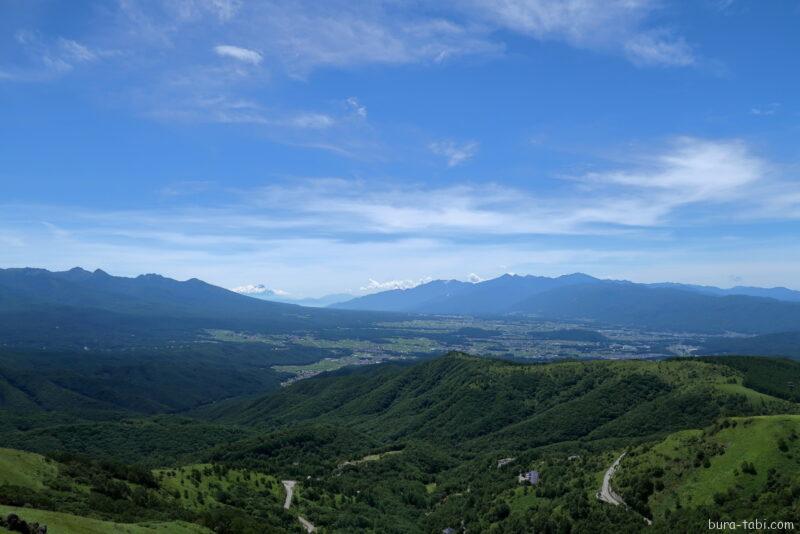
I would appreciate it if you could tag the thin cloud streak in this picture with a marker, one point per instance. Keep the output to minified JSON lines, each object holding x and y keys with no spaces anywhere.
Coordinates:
{"x":340,"y":229}
{"x":454,"y":153}
{"x":238,"y":53}
{"x":657,"y":191}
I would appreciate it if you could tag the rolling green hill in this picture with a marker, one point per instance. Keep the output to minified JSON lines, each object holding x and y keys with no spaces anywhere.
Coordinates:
{"x":740,"y":468}
{"x":416,"y":448}
{"x":61,"y":523}
{"x":448,"y":421}
{"x":458,"y":398}
{"x":92,"y":383}
{"x":76,"y":494}
{"x":18,"y":468}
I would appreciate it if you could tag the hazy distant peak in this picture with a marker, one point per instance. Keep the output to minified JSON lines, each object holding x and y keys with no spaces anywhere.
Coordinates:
{"x":259,"y":290}
{"x":578,"y":276}
{"x":151,"y":276}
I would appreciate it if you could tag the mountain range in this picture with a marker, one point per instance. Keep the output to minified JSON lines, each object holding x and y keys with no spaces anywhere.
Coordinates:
{"x":260,"y":291}
{"x":579,"y":296}
{"x":418,"y":444}
{"x":38,"y":306}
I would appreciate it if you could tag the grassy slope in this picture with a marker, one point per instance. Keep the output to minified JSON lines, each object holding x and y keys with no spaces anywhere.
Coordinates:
{"x":773,"y":376}
{"x":179,"y":481}
{"x":197,"y":488}
{"x":71,"y":524}
{"x":19,"y":468}
{"x":753,"y":439}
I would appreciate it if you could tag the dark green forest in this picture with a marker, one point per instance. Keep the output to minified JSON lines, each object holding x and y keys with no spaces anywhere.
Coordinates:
{"x":399,"y":448}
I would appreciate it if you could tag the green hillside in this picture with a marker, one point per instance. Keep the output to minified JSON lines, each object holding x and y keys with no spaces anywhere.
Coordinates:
{"x":774,"y":376}
{"x":61,"y":523}
{"x":452,"y":419}
{"x":416,"y":448}
{"x":740,"y":468}
{"x":18,"y":468}
{"x":199,"y":486}
{"x":78,"y":494}
{"x":458,"y":397}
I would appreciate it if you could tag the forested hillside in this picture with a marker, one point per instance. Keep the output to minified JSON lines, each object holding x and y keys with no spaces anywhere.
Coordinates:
{"x":421,"y":448}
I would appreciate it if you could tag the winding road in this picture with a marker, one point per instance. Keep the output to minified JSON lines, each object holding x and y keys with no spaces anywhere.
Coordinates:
{"x":289,"y":486}
{"x":607,"y":493}
{"x":306,"y":524}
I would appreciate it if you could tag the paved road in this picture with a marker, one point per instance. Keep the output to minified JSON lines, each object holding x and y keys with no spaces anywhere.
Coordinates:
{"x":289,"y":485}
{"x":606,"y":493}
{"x":306,"y":524}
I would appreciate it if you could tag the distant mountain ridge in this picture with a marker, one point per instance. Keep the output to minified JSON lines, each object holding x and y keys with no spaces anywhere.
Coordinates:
{"x":39,"y":307}
{"x":455,"y":297}
{"x":263,"y":293}
{"x":582,"y":297}
{"x":144,"y":294}
{"x":777,"y":293}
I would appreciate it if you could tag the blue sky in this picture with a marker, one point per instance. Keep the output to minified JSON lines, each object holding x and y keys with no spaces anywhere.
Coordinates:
{"x":350,"y":146}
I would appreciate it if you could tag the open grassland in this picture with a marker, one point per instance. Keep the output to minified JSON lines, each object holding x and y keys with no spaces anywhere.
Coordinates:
{"x":200,"y":486}
{"x":755,"y":440}
{"x":697,"y":467}
{"x":25,"y":469}
{"x":60,"y":523}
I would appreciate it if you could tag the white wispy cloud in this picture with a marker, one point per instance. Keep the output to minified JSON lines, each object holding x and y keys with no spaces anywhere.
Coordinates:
{"x":357,"y":107}
{"x":455,"y":153}
{"x":770,"y":109}
{"x":693,"y":170}
{"x":309,"y":35}
{"x":474,"y":278}
{"x":375,"y":286}
{"x":312,"y":120}
{"x":11,"y":240}
{"x":259,"y":289}
{"x":231,"y":110}
{"x":353,"y":230}
{"x":77,"y":51}
{"x":187,"y":10}
{"x":616,"y":26}
{"x":305,"y":35}
{"x":648,"y":191}
{"x":687,"y":181}
{"x":44,"y":58}
{"x":659,"y":48}
{"x":238,"y":53}
{"x":165,"y":46}
{"x":225,"y":9}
